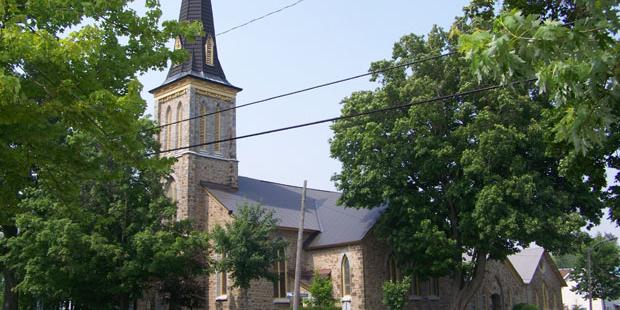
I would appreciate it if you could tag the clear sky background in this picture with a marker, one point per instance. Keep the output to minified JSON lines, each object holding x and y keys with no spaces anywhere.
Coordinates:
{"x":314,"y":42}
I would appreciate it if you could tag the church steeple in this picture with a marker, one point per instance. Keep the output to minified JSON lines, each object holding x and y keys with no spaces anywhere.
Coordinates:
{"x":203,"y":62}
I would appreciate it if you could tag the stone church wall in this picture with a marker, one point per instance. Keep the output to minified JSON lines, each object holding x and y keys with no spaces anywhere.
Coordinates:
{"x":331,"y":259}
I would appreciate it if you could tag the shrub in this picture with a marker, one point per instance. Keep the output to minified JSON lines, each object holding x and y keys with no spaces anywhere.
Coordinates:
{"x":525,"y":307}
{"x":395,"y":293}
{"x":321,"y":291}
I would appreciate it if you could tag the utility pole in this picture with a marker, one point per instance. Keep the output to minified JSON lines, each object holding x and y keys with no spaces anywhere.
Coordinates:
{"x":589,"y":267}
{"x":589,"y":258}
{"x":300,"y":236}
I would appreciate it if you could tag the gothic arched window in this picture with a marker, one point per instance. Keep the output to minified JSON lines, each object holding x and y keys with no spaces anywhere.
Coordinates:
{"x":210,"y":51}
{"x":345,"y":271}
{"x":280,"y":286}
{"x":202,"y":126}
{"x":433,"y":287}
{"x":217,"y":130}
{"x":221,"y":279}
{"x":177,"y":43}
{"x":168,"y":130}
{"x":179,"y":126}
{"x":171,"y":190}
{"x":545,"y":294}
{"x":392,"y":269}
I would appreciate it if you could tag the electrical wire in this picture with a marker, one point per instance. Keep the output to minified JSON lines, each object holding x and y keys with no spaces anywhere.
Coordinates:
{"x":333,"y":119}
{"x":261,"y":17}
{"x":309,"y":89}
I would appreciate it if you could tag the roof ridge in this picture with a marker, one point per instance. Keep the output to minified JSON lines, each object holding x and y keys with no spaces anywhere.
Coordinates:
{"x":289,"y":185}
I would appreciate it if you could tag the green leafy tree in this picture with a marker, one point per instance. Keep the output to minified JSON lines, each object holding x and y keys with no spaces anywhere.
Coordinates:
{"x":477,"y":176}
{"x":248,"y":247}
{"x":321,"y":289}
{"x":67,"y":67}
{"x":104,"y":250}
{"x":525,"y":307}
{"x":571,"y":47}
{"x":605,"y":269}
{"x":565,"y":260}
{"x":395,"y":293}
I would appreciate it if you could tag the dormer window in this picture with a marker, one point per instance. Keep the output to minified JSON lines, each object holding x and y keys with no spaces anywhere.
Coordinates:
{"x":177,"y":43}
{"x":210,"y":51}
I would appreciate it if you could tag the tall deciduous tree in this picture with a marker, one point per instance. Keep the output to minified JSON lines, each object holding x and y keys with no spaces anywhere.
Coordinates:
{"x":478,"y":176}
{"x":604,"y":268}
{"x":66,"y":67}
{"x":116,"y":241}
{"x":573,"y":52}
{"x":248,"y":246}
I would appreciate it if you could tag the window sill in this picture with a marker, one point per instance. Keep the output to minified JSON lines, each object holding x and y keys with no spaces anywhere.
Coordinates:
{"x":221,"y":298}
{"x":433,"y":297}
{"x":415,"y":297}
{"x":346,"y":298}
{"x":281,"y":301}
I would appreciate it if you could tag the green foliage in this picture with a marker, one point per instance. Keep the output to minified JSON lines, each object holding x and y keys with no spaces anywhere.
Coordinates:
{"x":524,"y":307}
{"x":578,"y":307}
{"x":480,"y":175}
{"x":248,"y":246}
{"x":565,"y":261}
{"x":321,"y":290}
{"x":395,"y":293}
{"x":105,"y":249}
{"x":605,"y":263}
{"x":572,"y":51}
{"x":68,"y":75}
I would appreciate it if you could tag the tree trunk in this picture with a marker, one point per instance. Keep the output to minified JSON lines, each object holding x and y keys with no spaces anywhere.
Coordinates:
{"x":10,"y":279}
{"x":463,"y":294}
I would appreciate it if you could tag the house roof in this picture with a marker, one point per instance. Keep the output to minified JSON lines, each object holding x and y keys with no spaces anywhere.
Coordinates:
{"x":196,"y":65}
{"x":333,"y":224}
{"x":527,"y":261}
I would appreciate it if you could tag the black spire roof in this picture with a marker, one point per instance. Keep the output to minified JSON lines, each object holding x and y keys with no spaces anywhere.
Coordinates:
{"x":197,"y":66}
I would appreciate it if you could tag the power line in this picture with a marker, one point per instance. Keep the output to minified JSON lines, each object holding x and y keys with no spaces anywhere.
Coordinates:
{"x":333,"y":119}
{"x":261,"y":17}
{"x":308,"y":89}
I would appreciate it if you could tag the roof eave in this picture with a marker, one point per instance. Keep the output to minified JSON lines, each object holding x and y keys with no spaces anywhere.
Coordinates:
{"x":191,"y":75}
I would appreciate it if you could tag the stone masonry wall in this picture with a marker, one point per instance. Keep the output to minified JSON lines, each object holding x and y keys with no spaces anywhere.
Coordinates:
{"x":546,"y":273}
{"x":331,"y":259}
{"x":260,"y":295}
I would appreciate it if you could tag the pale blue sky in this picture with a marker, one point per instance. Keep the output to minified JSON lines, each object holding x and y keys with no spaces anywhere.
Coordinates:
{"x":315,"y":42}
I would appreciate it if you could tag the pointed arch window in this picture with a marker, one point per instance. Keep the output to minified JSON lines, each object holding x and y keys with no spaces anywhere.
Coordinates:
{"x":210,"y":51}
{"x":433,"y":287}
{"x":217,"y":130}
{"x":179,"y":126}
{"x":168,"y":130}
{"x":177,"y":43}
{"x":221,"y":279}
{"x":280,"y":285}
{"x":346,"y":276}
{"x":202,"y":126}
{"x":171,"y":190}
{"x":416,"y":287}
{"x":545,"y":296}
{"x":393,"y":271}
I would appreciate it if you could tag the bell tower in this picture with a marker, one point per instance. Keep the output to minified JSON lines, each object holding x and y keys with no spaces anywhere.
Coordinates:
{"x":198,"y":90}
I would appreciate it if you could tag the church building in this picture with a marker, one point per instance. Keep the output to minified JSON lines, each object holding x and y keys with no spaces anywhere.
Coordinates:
{"x":338,"y":242}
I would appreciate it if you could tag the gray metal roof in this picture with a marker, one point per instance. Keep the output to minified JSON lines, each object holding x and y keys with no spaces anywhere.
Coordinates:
{"x":526,"y":262}
{"x":334,"y":224}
